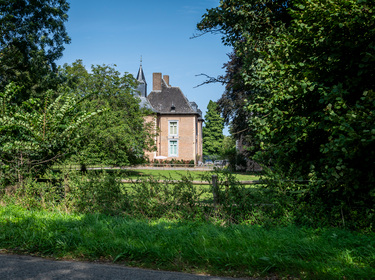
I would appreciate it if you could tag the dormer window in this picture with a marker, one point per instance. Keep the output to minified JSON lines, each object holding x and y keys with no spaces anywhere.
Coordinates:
{"x":173,"y":108}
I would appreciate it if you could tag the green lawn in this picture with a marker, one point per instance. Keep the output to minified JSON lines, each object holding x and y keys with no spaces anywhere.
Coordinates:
{"x":177,"y":174}
{"x":165,"y":173}
{"x":232,"y":250}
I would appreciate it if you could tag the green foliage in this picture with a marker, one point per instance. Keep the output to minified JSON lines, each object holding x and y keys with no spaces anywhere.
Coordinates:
{"x":32,"y":35}
{"x":37,"y":133}
{"x":232,"y":103}
{"x":248,"y":227}
{"x":229,"y":143}
{"x":152,"y":197}
{"x":95,"y":192}
{"x":169,"y":199}
{"x":120,"y":135}
{"x":229,"y":152}
{"x":213,"y":130}
{"x":310,"y":67}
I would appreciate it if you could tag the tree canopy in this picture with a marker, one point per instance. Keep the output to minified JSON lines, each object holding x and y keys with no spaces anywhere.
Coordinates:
{"x":232,"y":103}
{"x":120,"y":135}
{"x":47,"y":113}
{"x":32,"y":38}
{"x":309,"y":66}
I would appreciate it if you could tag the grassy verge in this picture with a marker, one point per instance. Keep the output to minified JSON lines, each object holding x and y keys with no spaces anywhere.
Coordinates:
{"x":235,"y":250}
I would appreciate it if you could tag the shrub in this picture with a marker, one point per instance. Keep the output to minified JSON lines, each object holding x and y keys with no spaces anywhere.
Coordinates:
{"x":165,"y":199}
{"x":97,"y":191}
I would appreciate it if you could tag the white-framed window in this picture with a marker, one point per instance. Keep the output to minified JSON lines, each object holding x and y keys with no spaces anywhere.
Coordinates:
{"x":172,"y":128}
{"x":173,"y":148}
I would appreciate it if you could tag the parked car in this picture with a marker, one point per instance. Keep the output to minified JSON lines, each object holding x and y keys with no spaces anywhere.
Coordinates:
{"x":208,"y":162}
{"x":219,"y":162}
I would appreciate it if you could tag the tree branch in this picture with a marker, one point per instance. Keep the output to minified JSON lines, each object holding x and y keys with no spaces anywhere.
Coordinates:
{"x":211,"y":80}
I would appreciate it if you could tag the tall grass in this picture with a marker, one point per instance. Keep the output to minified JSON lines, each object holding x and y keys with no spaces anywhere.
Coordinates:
{"x":235,"y":250}
{"x":174,"y":225}
{"x":99,"y":191}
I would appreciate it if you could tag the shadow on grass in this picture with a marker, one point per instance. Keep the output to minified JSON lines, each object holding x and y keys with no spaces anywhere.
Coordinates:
{"x":190,"y":246}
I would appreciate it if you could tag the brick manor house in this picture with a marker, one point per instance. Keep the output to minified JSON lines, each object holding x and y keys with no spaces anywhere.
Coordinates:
{"x":178,"y":121}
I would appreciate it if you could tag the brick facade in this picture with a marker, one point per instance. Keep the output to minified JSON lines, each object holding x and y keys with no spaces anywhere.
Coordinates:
{"x":189,"y":137}
{"x":177,"y":122}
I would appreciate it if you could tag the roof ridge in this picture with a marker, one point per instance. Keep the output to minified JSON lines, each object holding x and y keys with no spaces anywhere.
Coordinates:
{"x":165,"y":83}
{"x":187,"y":100}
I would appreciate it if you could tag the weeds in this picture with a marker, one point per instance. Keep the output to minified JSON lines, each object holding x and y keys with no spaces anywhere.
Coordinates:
{"x":95,"y":192}
{"x":176,"y":226}
{"x":190,"y":246}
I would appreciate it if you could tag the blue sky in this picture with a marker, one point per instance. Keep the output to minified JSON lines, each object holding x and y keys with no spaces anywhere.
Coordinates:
{"x":121,"y":31}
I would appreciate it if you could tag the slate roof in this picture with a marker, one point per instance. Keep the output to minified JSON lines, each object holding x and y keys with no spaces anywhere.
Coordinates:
{"x":144,"y":103}
{"x":142,"y":85}
{"x":141,"y":75}
{"x":163,"y":101}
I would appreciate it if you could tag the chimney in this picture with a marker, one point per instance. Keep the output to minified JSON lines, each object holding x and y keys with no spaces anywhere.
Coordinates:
{"x":156,"y":81}
{"x":166,"y":79}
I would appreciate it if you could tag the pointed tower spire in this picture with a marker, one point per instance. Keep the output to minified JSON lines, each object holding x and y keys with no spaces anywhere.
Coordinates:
{"x":142,"y":87}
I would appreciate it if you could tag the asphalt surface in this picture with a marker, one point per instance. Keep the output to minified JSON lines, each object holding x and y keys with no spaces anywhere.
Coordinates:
{"x":15,"y":267}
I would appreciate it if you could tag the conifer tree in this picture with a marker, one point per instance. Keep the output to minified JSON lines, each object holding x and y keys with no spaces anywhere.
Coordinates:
{"x":213,"y":130}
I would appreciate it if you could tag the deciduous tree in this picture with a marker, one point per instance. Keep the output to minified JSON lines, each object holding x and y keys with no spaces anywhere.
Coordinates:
{"x":310,"y":64}
{"x":32,"y":38}
{"x":120,"y":135}
{"x":37,"y":133}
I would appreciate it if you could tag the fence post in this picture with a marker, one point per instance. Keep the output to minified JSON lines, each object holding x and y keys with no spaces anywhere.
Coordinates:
{"x":215,"y":189}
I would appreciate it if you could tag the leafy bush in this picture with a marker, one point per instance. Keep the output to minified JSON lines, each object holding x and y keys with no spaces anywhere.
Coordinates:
{"x":33,"y":195}
{"x":166,"y":199}
{"x":37,"y":133}
{"x":89,"y":193}
{"x":275,"y":201}
{"x":312,"y":202}
{"x":96,"y":192}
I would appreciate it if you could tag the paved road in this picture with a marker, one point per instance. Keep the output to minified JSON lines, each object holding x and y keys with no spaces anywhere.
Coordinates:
{"x":15,"y":267}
